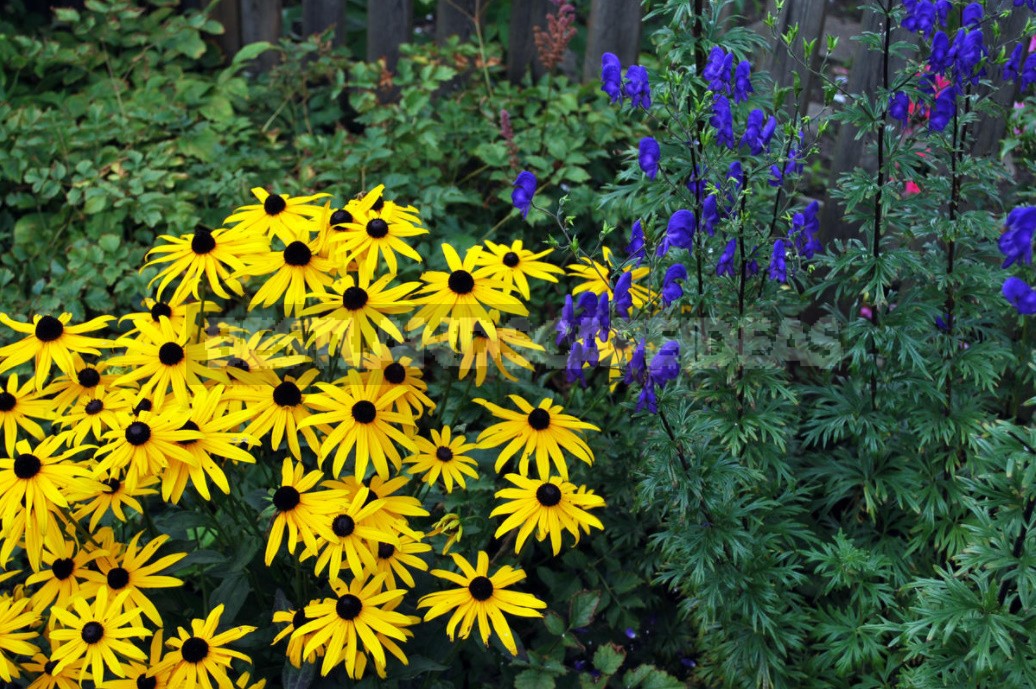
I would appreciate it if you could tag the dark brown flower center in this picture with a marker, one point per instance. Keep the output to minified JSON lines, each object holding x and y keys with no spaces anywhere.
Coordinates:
{"x":340,"y":217}
{"x":138,"y":433}
{"x":297,"y":254}
{"x":49,"y":329}
{"x":88,"y":377}
{"x":142,"y":406}
{"x":443,"y":453}
{"x":548,"y":495}
{"x":145,"y":682}
{"x":160,"y":309}
{"x":395,"y":373}
{"x":238,"y":362}
{"x":274,"y":204}
{"x":202,"y":242}
{"x":92,"y":632}
{"x":385,"y":551}
{"x":118,"y":578}
{"x":364,"y":412}
{"x":377,"y":228}
{"x":195,"y":650}
{"x":188,"y":426}
{"x":354,"y":298}
{"x":287,"y":394}
{"x":94,"y":407}
{"x":348,"y":606}
{"x":286,"y":498}
{"x":63,"y":568}
{"x":378,"y":204}
{"x":299,"y":618}
{"x":113,"y":485}
{"x":510,"y":259}
{"x":539,"y":419}
{"x":170,"y":354}
{"x":461,"y":282}
{"x":481,"y":588}
{"x":343,"y":525}
{"x":7,"y":401}
{"x":27,"y":466}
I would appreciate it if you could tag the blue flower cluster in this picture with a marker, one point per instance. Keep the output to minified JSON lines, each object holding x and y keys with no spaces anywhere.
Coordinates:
{"x":636,"y":86}
{"x":664,"y":367}
{"x":1014,"y":70}
{"x":1016,"y":246}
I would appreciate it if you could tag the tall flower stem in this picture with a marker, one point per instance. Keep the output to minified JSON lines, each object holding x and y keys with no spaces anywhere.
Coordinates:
{"x":878,"y":196}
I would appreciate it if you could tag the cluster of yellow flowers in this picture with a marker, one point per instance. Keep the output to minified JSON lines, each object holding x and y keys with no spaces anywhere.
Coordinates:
{"x":182,"y":396}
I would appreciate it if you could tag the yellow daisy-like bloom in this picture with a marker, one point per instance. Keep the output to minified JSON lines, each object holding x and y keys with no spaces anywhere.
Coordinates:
{"x":144,"y":676}
{"x":98,"y":635}
{"x":18,"y":407}
{"x":61,"y":579}
{"x":97,"y":414}
{"x":542,"y":430}
{"x":463,"y":298}
{"x":355,"y":618}
{"x":279,"y":408}
{"x":42,"y":668}
{"x":597,"y":279}
{"x":347,"y":535}
{"x":514,"y":265}
{"x":483,"y":598}
{"x":301,"y":511}
{"x":397,"y":560}
{"x":485,"y":349}
{"x":17,"y":620}
{"x":549,"y":507}
{"x":143,"y":444}
{"x":165,"y":359}
{"x":614,"y":353}
{"x":443,"y":456}
{"x":34,"y":483}
{"x":67,"y":390}
{"x":212,"y":254}
{"x":296,"y":642}
{"x":52,"y":341}
{"x":397,"y":508}
{"x":130,"y":573}
{"x":249,"y":358}
{"x":450,"y":526}
{"x":19,"y":528}
{"x":402,"y":374}
{"x":277,"y":215}
{"x":182,"y":315}
{"x":353,"y":313}
{"x":207,"y":418}
{"x":376,"y":229}
{"x":201,"y":656}
{"x":293,"y":272}
{"x":111,"y":495}
{"x":363,"y":420}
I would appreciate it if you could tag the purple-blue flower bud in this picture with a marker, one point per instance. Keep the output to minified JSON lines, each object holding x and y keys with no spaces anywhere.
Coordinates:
{"x":649,"y":156}
{"x":524,"y":189}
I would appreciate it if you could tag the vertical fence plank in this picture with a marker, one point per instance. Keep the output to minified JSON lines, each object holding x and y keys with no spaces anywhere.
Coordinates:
{"x":227,"y":13}
{"x":787,"y":61}
{"x":614,"y":27}
{"x":390,"y":23}
{"x":261,"y":21}
{"x":320,"y":15}
{"x":454,"y":18}
{"x":521,"y":53}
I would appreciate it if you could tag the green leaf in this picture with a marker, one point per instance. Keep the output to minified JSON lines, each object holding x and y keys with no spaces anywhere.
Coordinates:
{"x":231,"y":592}
{"x":298,"y":678}
{"x":555,"y":625}
{"x":534,"y":679}
{"x":583,"y":607}
{"x":608,"y":658}
{"x":95,"y":204}
{"x":109,"y":242}
{"x":252,"y":51}
{"x":650,"y":677}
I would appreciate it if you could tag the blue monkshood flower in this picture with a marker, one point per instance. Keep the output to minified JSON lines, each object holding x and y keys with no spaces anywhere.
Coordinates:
{"x":742,"y":81}
{"x":591,"y":354}
{"x":636,"y":370}
{"x":710,"y":216}
{"x":635,"y":249}
{"x":753,"y":136}
{"x":647,"y":399}
{"x":1016,"y":241}
{"x":943,"y":109}
{"x":637,"y":87}
{"x":665,"y":365}
{"x":586,"y":309}
{"x":804,"y":228}
{"x":792,"y":167}
{"x":736,"y":172}
{"x":723,"y":121}
{"x":717,"y":70}
{"x":1013,"y":66}
{"x":611,"y":76}
{"x":768,"y":129}
{"x":1031,"y":4}
{"x":1029,"y":70}
{"x":778,"y":265}
{"x":939,"y":58}
{"x":920,"y":16}
{"x":726,"y":260}
{"x":679,"y":232}
{"x":524,"y":189}
{"x":649,"y":156}
{"x":752,"y":269}
{"x":603,"y":319}
{"x":630,"y":634}
{"x":972,"y":15}
{"x":671,"y":289}
{"x":574,"y":365}
{"x":623,"y":298}
{"x":899,"y":107}
{"x":696,"y":183}
{"x":968,"y":51}
{"x":1020,"y":296}
{"x":567,"y":323}
{"x":942,"y":323}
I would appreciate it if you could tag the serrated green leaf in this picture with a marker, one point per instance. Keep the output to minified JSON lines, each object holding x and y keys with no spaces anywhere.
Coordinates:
{"x":650,"y":677}
{"x":534,"y":679}
{"x":109,"y":242}
{"x":583,"y":607}
{"x":608,"y":658}
{"x":251,"y":51}
{"x":555,"y":625}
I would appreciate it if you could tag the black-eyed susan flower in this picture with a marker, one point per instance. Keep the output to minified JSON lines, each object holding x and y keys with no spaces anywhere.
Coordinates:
{"x":67,"y":390}
{"x":52,"y":341}
{"x":182,"y":315}
{"x":547,"y":506}
{"x":20,"y":407}
{"x":346,"y":535}
{"x":19,"y":528}
{"x":544,"y":431}
{"x":277,"y":215}
{"x":249,"y":357}
{"x":110,"y":494}
{"x":377,"y":229}
{"x":98,"y":634}
{"x":94,"y":415}
{"x":201,"y":657}
{"x":162,"y":359}
{"x":397,"y":507}
{"x":351,"y":315}
{"x":296,"y":642}
{"x":279,"y":408}
{"x":401,"y":373}
{"x":144,"y":675}
{"x":363,"y":420}
{"x":443,"y":456}
{"x":347,"y":626}
{"x":212,"y":255}
{"x":17,"y":620}
{"x":300,"y":511}
{"x":463,"y":298}
{"x":451,"y":526}
{"x":207,"y":418}
{"x":131,"y":573}
{"x":47,"y":677}
{"x":293,"y":272}
{"x":63,"y":572}
{"x":142,"y":445}
{"x":397,"y":560}
{"x":485,"y":350}
{"x":481,"y":598}
{"x":597,"y":278}
{"x":390,"y":645}
{"x":514,"y":265}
